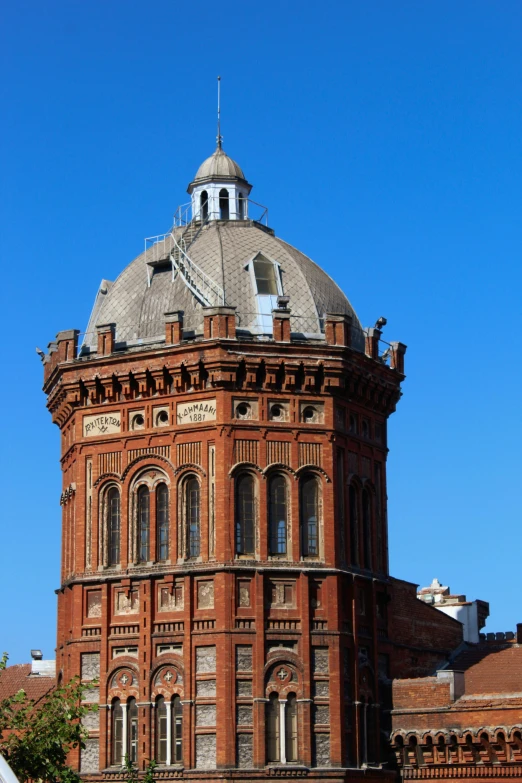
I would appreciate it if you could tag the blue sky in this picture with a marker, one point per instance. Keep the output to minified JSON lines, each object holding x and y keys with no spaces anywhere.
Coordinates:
{"x":384,"y":138}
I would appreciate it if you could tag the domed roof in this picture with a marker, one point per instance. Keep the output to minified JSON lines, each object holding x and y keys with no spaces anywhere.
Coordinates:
{"x":223,"y":251}
{"x":219,"y":165}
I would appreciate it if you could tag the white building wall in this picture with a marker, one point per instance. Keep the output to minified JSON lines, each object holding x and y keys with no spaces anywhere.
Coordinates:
{"x":467,"y":614}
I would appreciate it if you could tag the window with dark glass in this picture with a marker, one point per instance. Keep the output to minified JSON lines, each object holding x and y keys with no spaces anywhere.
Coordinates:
{"x":241,"y":205}
{"x":310,"y":516}
{"x":177,"y":730}
{"x":278,"y":514}
{"x":224,"y":208}
{"x":162,"y":522}
{"x":113,"y":525}
{"x":143,"y":524}
{"x":353,"y":501}
{"x":272,"y":728}
{"x":367,"y":528}
{"x":192,"y":516}
{"x":132,"y":730}
{"x":161,"y":730}
{"x":117,"y":732}
{"x":204,"y":205}
{"x":245,"y":514}
{"x":291,"y":728}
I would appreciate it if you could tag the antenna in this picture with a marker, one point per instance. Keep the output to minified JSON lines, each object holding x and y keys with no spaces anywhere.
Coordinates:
{"x":219,"y":136}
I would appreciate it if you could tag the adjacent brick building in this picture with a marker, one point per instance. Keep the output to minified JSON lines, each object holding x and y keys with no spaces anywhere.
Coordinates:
{"x":465,"y":721}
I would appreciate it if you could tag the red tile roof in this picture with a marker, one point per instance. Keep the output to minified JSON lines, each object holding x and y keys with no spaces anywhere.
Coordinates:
{"x":19,"y":677}
{"x":491,"y":669}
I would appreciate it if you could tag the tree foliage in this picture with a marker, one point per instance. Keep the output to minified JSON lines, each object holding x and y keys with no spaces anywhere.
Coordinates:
{"x":35,"y":738}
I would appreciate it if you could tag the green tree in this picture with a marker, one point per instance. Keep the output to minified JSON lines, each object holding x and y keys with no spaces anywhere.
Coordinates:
{"x":36,"y":738}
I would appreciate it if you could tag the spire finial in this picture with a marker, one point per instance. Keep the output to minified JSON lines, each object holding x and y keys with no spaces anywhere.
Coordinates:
{"x":219,"y":136}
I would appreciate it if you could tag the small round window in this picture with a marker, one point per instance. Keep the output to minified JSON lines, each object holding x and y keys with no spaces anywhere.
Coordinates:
{"x":162,"y":418}
{"x":277,"y":412}
{"x":309,"y":413}
{"x":243,"y":410}
{"x":138,"y":422}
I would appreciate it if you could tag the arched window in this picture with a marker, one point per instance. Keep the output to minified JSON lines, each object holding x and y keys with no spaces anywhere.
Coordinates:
{"x":143,"y":524}
{"x":353,"y":500}
{"x":161,"y":730}
{"x":310,"y":516}
{"x":278,"y":515}
{"x":245,"y":514}
{"x":192,"y":516}
{"x":113,"y":526}
{"x":177,"y":730}
{"x":241,"y":205}
{"x":367,"y":528}
{"x":272,"y":728}
{"x":204,"y":205}
{"x":291,"y":728}
{"x":132,"y":730}
{"x":224,"y":209}
{"x":117,"y":732}
{"x":162,"y":522}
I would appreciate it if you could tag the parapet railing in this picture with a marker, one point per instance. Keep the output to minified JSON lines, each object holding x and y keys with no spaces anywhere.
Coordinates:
{"x":248,"y":210}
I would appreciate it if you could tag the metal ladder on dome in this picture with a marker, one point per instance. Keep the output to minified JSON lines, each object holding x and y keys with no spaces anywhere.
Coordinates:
{"x":204,"y":288}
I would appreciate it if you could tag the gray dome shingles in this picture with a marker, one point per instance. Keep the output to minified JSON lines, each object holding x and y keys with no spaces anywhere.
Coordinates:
{"x":221,"y":250}
{"x":219,"y":165}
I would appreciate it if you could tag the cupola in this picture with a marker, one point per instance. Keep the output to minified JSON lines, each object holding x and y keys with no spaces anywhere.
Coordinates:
{"x":219,"y":190}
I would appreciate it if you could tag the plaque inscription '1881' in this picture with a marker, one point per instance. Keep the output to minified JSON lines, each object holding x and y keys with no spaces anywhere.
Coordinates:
{"x":194,"y":412}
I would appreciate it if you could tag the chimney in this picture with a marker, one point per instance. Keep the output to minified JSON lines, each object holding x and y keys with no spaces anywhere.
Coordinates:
{"x":338,"y":329}
{"x":519,"y":633}
{"x":40,"y":667}
{"x":219,"y":323}
{"x":174,"y":327}
{"x":373,"y":336}
{"x":106,"y":334}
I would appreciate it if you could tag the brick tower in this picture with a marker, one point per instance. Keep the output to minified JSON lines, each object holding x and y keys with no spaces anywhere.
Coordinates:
{"x":224,"y":576}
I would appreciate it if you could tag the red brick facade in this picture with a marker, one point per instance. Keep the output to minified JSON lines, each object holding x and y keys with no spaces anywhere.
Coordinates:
{"x":221,"y":629}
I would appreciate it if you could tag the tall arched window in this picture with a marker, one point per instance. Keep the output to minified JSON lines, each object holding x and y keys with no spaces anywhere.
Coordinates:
{"x":278,"y":515}
{"x":310,"y":516}
{"x":113,"y":526}
{"x":245,"y":514}
{"x":204,"y":204}
{"x":132,"y":730}
{"x":291,"y":728}
{"x":162,"y":522}
{"x":353,"y":499}
{"x":272,"y":728}
{"x":143,"y":524}
{"x":161,"y":730}
{"x":224,"y":208}
{"x":192,"y":516}
{"x":117,"y":732}
{"x":241,"y":205}
{"x":177,"y":730}
{"x":367,"y":528}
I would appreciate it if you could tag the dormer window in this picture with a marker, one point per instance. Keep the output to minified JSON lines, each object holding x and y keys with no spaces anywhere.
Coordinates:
{"x":266,"y":282}
{"x":266,"y":279}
